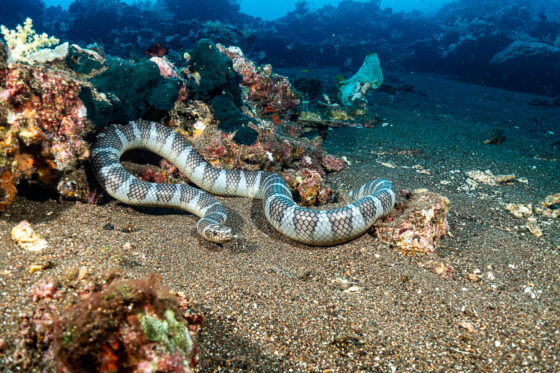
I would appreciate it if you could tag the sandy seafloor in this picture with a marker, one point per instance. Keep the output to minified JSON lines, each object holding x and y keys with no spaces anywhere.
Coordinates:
{"x":271,"y":304}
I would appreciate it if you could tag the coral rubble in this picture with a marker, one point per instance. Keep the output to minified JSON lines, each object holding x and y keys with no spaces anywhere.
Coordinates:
{"x":417,"y":224}
{"x":122,"y":325}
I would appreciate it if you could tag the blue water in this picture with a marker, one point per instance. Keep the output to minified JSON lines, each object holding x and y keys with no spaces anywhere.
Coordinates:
{"x":274,"y":9}
{"x":512,"y":44}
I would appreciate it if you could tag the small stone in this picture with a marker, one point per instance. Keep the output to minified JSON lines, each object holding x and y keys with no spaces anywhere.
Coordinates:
{"x":467,"y":325}
{"x":519,"y":210}
{"x":129,"y":228}
{"x":36,"y":267}
{"x":487,"y":177}
{"x":552,"y":200}
{"x":342,"y":283}
{"x":72,"y":274}
{"x":3,"y":345}
{"x":472,"y":277}
{"x":502,"y":179}
{"x":534,"y":229}
{"x":495,"y":137}
{"x":387,"y":164}
{"x":127,"y":246}
{"x":82,"y":273}
{"x":26,"y":238}
{"x":109,"y":227}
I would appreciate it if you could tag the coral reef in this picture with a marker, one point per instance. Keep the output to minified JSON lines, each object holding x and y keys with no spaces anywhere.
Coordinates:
{"x":122,"y":325}
{"x":232,"y":119}
{"x":42,"y":125}
{"x":157,"y":50}
{"x":86,"y":62}
{"x":417,"y":224}
{"x":238,"y":114}
{"x":275,"y":151}
{"x":212,"y":73}
{"x":23,"y":42}
{"x":266,"y":92}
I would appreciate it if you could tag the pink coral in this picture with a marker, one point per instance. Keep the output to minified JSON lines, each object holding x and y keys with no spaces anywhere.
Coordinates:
{"x":166,"y":68}
{"x":331,"y":163}
{"x":43,"y":290}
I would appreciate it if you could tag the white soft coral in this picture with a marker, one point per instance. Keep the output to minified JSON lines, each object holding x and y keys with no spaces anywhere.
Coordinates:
{"x":23,"y":42}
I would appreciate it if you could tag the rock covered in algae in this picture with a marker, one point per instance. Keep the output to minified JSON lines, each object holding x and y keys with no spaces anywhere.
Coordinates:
{"x":128,"y":325}
{"x":309,"y":185}
{"x":417,"y":224}
{"x":267,"y":92}
{"x":42,"y":126}
{"x":125,"y":91}
{"x":214,"y":80}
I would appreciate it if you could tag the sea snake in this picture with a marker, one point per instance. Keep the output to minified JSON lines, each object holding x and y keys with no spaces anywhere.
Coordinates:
{"x":313,"y":227}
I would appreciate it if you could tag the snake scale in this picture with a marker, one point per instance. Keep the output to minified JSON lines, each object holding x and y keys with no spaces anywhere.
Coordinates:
{"x":313,"y":227}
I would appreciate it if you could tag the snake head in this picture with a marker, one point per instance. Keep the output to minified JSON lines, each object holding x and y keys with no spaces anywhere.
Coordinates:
{"x":217,"y":233}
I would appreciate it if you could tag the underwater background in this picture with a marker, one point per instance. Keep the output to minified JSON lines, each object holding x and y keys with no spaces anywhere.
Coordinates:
{"x":510,"y":44}
{"x":452,"y":107}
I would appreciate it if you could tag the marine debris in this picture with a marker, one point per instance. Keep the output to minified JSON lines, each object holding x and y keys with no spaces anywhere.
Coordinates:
{"x":353,"y":91}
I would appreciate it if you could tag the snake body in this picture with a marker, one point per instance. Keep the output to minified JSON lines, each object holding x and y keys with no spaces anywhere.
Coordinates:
{"x":314,"y":227}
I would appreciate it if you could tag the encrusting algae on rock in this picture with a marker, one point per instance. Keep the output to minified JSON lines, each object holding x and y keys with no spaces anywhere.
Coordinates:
{"x":128,"y":325}
{"x":42,"y":125}
{"x":417,"y":224}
